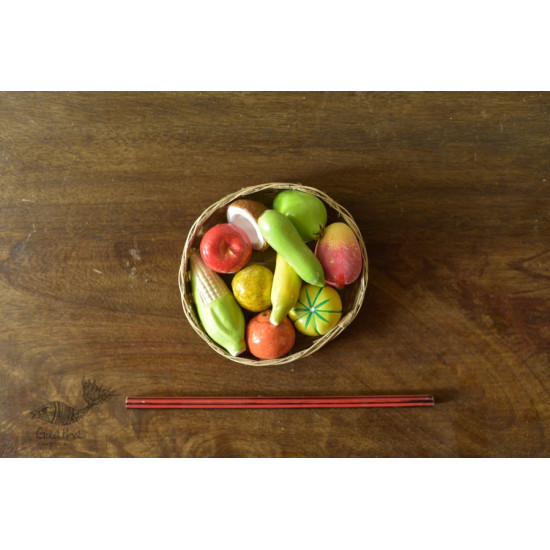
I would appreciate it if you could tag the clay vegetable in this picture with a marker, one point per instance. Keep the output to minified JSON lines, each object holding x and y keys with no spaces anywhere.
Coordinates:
{"x":284,"y":238}
{"x":219,"y":312}
{"x":306,"y":211}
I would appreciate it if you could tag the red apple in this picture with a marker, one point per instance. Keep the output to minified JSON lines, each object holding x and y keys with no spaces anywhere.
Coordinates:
{"x":225,"y":248}
{"x":267,"y":341}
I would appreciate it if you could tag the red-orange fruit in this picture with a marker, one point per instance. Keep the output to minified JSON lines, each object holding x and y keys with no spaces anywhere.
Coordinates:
{"x":267,"y":341}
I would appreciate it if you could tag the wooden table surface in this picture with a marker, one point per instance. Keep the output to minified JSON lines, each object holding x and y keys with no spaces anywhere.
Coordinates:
{"x":450,"y":190}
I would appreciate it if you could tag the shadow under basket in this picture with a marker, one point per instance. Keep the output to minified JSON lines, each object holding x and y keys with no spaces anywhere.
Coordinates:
{"x":352,"y":295}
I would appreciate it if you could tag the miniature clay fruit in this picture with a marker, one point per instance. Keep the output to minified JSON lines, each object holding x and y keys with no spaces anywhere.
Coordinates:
{"x":225,"y":248}
{"x":252,"y":287}
{"x":244,"y":213}
{"x":267,"y":341}
{"x":317,"y":310}
{"x":285,"y":290}
{"x":284,"y":238}
{"x":339,"y":254}
{"x":306,"y":211}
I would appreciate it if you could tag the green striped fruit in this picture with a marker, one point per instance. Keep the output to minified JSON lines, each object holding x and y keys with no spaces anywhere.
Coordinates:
{"x":284,"y":238}
{"x":317,"y":310}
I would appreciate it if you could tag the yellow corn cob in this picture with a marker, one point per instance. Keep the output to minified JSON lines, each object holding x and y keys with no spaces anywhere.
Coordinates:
{"x":285,"y":290}
{"x":220,"y":314}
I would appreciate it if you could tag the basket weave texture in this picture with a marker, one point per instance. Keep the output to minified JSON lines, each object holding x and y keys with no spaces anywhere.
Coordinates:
{"x":352,"y":295}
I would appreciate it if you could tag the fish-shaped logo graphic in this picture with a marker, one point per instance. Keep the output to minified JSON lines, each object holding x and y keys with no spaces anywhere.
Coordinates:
{"x":57,"y":412}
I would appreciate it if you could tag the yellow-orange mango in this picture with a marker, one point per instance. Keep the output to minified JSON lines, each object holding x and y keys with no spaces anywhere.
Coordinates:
{"x":339,"y":254}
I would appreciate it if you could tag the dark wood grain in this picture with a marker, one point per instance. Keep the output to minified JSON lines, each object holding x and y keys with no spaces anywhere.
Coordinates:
{"x":451,"y":192}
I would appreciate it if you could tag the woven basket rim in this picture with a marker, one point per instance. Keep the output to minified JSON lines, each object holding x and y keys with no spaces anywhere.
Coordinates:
{"x":318,"y":343}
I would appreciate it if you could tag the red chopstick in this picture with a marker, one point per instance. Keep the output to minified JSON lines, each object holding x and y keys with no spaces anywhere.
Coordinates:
{"x":279,"y":402}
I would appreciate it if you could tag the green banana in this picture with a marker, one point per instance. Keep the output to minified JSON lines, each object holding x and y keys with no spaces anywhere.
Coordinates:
{"x":285,"y":290}
{"x":284,"y":238}
{"x":220,"y":314}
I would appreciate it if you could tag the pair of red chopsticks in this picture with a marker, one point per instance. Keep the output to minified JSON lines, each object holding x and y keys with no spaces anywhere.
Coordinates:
{"x":279,"y":402}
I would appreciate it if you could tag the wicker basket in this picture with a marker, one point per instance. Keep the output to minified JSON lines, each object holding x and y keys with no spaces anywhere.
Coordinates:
{"x":352,"y":295}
